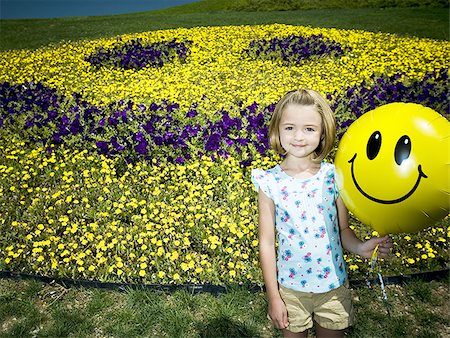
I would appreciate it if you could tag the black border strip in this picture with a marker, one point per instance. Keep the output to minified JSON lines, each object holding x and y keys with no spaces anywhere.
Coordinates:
{"x":206,"y":288}
{"x":426,"y":276}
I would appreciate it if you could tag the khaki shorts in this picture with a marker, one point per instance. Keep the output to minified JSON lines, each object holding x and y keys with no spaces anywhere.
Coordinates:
{"x":332,"y":310}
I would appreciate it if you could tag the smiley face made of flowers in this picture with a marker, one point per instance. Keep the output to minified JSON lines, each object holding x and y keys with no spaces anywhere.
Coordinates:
{"x":392,"y":168}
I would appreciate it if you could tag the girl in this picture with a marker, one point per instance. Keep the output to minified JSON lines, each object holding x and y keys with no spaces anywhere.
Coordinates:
{"x":306,"y":281}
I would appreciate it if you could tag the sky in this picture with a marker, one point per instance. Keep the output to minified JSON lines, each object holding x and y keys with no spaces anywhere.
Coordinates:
{"x":41,"y":9}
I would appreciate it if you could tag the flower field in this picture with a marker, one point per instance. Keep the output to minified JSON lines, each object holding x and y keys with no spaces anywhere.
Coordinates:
{"x":129,"y":159}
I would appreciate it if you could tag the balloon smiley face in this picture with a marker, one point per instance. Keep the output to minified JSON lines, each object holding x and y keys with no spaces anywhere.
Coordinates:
{"x":392,"y":168}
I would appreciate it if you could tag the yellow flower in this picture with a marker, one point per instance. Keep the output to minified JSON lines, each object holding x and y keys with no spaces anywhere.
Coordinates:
{"x":174,"y":256}
{"x":353,"y":267}
{"x":184,"y":266}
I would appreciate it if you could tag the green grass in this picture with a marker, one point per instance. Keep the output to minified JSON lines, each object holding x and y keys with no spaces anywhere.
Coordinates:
{"x":430,"y":22}
{"x":288,"y":5}
{"x":31,"y":309}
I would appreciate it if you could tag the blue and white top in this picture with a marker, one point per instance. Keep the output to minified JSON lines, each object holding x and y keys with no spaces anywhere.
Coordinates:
{"x":310,"y":255}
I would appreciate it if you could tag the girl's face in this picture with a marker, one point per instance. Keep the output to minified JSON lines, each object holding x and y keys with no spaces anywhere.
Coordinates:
{"x":300,"y":130}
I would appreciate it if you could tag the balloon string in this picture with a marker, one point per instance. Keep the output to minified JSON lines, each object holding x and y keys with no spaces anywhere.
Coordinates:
{"x":373,"y":264}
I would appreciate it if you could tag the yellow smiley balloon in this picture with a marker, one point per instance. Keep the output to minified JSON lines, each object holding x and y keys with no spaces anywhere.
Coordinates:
{"x":393,"y":168}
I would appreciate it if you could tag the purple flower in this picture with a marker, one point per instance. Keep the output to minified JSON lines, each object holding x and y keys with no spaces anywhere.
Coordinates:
{"x":113,"y":121}
{"x":64,"y":119}
{"x":102,"y":147}
{"x":380,"y":90}
{"x":159,"y":141}
{"x":116,"y":145}
{"x":260,"y":148}
{"x":191,"y":113}
{"x":346,"y":123}
{"x":123,"y":115}
{"x":294,"y":49}
{"x":160,"y":133}
{"x":252,"y":108}
{"x":136,"y":55}
{"x":173,"y":106}
{"x":242,"y":141}
{"x":141,"y":147}
{"x":75,"y":126}
{"x":213,"y":142}
{"x":28,"y":124}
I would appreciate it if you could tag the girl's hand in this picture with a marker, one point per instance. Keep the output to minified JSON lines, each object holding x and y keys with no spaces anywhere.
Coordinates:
{"x":278,"y":313}
{"x":384,"y":247}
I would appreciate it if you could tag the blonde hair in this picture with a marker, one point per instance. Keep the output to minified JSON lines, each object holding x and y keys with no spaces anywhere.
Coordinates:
{"x":305,"y":97}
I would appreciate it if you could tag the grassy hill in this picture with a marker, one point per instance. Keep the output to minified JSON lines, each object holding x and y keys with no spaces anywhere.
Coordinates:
{"x":291,"y":5}
{"x":418,"y":18}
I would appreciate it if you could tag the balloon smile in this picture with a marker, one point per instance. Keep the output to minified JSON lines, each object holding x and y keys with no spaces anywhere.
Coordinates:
{"x":398,"y":200}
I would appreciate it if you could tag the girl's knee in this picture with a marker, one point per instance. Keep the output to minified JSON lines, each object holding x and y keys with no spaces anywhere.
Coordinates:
{"x":322,"y":332}
{"x":290,"y":334}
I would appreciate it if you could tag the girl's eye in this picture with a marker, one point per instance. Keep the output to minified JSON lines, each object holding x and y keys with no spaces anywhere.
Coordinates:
{"x":311,"y":130}
{"x":288,"y":128}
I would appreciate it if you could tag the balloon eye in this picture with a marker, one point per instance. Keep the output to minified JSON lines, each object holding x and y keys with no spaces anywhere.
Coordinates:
{"x":402,"y":149}
{"x":374,"y":145}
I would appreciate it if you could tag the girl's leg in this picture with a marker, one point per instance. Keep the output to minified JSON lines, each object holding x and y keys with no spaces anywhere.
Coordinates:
{"x":322,"y":332}
{"x":289,"y":334}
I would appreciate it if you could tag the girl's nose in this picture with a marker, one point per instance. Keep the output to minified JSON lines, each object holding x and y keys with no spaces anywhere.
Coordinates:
{"x":298,"y":136}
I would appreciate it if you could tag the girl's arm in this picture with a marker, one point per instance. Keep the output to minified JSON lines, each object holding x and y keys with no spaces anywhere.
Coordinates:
{"x":351,"y":243}
{"x":267,"y":256}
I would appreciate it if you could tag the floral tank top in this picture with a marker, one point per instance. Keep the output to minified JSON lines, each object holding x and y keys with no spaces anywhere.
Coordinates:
{"x":310,"y":255}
